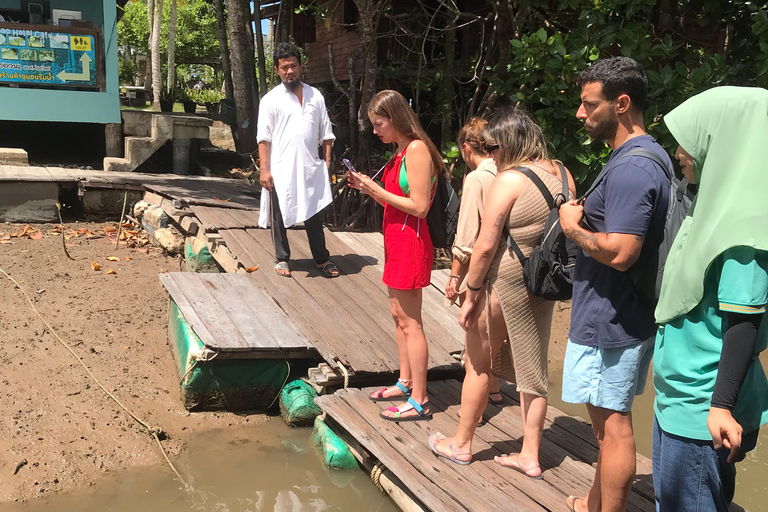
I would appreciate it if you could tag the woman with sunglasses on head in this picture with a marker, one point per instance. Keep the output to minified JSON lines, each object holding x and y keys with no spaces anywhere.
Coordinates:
{"x":408,"y":251}
{"x":517,"y":206}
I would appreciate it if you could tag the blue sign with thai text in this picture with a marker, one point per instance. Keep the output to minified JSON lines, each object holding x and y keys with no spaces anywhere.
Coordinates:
{"x":50,"y":58}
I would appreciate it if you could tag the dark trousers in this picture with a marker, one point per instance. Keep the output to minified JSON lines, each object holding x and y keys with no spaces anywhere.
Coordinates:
{"x":313,"y":227}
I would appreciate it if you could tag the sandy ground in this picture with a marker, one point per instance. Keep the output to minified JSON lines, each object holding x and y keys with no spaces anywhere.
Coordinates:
{"x":52,"y":415}
{"x":53,"y":418}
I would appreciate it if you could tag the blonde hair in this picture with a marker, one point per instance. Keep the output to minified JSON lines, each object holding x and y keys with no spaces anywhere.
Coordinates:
{"x":518,"y":136}
{"x":393,"y":106}
{"x":472,"y":134}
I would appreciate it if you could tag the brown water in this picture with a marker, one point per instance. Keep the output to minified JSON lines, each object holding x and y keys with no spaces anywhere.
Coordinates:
{"x":273,"y":467}
{"x":258,"y":469}
{"x":752,"y":473}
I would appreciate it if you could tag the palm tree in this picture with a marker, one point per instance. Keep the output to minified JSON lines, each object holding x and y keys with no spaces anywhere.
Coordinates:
{"x":171,"y":81}
{"x":157,"y":78}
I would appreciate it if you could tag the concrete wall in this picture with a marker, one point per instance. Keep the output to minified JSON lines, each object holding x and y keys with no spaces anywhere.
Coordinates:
{"x":40,"y":104}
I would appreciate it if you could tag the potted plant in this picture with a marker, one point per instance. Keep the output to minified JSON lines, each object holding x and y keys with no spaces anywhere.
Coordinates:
{"x":166,"y":101}
{"x":185,"y":96}
{"x":210,"y":99}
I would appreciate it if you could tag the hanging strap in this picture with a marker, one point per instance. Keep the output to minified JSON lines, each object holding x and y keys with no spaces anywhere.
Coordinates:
{"x":646,"y":153}
{"x":552,"y":202}
{"x":643,"y":152}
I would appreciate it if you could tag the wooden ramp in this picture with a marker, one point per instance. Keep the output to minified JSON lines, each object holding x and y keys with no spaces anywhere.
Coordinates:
{"x":233,"y":318}
{"x":347,"y":319}
{"x":568,"y":452}
{"x":192,"y":190}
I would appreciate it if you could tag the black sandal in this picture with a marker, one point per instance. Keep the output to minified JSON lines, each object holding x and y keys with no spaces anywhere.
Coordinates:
{"x":329,"y":269}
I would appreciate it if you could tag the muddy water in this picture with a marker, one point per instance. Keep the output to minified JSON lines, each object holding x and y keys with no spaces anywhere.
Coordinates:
{"x":258,"y":469}
{"x":752,"y":473}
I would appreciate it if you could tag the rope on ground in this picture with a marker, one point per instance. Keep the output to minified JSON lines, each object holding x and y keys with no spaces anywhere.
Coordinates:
{"x":153,"y":431}
{"x":288,"y":374}
{"x":376,"y":472}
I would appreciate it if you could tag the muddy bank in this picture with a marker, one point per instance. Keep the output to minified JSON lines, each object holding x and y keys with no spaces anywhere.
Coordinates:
{"x":52,"y":414}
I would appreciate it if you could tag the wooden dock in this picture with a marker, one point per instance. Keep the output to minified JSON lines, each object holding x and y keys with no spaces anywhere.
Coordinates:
{"x":568,"y":453}
{"x":235,"y":319}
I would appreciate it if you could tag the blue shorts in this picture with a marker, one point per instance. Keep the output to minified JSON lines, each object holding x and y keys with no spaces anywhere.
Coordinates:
{"x":609,"y":378}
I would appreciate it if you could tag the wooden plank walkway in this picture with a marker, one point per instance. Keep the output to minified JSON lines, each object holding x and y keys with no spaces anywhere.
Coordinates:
{"x":568,"y":453}
{"x":193,"y":190}
{"x":234,"y":318}
{"x":346,"y":319}
{"x":373,"y":243}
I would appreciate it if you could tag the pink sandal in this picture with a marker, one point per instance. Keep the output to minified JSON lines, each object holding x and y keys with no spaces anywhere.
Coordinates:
{"x":378,"y":396}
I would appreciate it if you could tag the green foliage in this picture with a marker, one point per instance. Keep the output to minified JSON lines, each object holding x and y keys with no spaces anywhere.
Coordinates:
{"x":207,"y":96}
{"x":127,"y":70}
{"x":545,"y":61}
{"x":196,"y":36}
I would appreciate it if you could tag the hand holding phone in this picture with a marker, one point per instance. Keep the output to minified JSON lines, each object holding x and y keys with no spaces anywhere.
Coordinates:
{"x":351,"y":174}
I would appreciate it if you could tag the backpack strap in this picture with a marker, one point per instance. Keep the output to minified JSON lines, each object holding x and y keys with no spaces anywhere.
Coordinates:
{"x":646,"y":153}
{"x":511,"y":244}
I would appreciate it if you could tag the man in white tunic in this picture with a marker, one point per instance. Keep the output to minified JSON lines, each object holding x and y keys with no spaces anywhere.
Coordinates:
{"x":293,"y":122}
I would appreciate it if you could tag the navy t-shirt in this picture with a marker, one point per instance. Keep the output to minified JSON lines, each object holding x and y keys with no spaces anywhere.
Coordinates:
{"x":632,"y":199}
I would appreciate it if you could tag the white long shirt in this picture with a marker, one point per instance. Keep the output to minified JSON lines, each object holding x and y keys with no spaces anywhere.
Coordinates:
{"x":295,"y":131}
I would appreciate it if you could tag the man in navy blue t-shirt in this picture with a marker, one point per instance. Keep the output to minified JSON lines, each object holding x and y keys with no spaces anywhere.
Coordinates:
{"x":618,"y":228}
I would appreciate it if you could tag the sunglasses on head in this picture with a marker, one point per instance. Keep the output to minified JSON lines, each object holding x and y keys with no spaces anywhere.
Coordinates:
{"x":490,"y":148}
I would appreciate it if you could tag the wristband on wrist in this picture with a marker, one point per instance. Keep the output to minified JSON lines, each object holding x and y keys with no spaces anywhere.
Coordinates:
{"x":454,"y":276}
{"x":473,"y":288}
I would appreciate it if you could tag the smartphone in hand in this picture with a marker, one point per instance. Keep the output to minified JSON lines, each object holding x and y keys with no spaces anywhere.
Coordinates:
{"x":352,"y":172}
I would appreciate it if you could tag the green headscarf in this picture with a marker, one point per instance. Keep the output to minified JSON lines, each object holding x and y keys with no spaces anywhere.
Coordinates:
{"x":725,"y":130}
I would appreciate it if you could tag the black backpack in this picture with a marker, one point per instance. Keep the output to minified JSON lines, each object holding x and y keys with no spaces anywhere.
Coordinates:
{"x":646,"y":278}
{"x":548,"y":271}
{"x":443,"y":216}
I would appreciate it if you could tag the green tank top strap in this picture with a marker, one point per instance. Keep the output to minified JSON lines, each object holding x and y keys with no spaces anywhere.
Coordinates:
{"x":403,"y":178}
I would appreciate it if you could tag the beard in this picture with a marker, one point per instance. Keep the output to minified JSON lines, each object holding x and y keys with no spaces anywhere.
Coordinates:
{"x":604,"y":129}
{"x":293,"y":84}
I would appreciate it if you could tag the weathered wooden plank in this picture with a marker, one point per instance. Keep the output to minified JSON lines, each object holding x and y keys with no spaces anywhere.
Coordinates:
{"x":225,"y":333}
{"x":354,"y":339}
{"x":377,"y":304}
{"x":187,"y":310}
{"x":367,"y":307}
{"x":257,"y":333}
{"x":433,"y":497}
{"x":262,"y":310}
{"x":410,"y":438}
{"x":440,"y":322}
{"x":328,"y":335}
{"x":565,"y":456}
{"x":232,"y":241}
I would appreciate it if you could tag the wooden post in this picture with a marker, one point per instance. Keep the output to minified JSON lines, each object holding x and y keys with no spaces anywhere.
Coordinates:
{"x":113,"y":135}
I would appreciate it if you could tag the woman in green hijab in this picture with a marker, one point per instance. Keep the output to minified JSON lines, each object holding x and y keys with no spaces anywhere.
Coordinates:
{"x":711,"y":391}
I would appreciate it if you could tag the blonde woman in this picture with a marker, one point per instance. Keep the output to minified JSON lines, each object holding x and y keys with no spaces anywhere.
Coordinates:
{"x":408,"y":250}
{"x":495,"y":277}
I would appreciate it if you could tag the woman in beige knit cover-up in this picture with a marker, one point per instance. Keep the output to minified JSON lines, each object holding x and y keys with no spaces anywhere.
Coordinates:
{"x":518,"y":323}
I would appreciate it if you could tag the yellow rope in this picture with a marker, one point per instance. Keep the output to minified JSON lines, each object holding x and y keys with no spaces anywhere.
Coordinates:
{"x":153,"y":431}
{"x":376,"y":472}
{"x":345,"y":372}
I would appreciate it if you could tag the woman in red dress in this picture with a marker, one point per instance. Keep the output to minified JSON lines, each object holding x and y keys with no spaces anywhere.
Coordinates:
{"x":409,"y":179}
